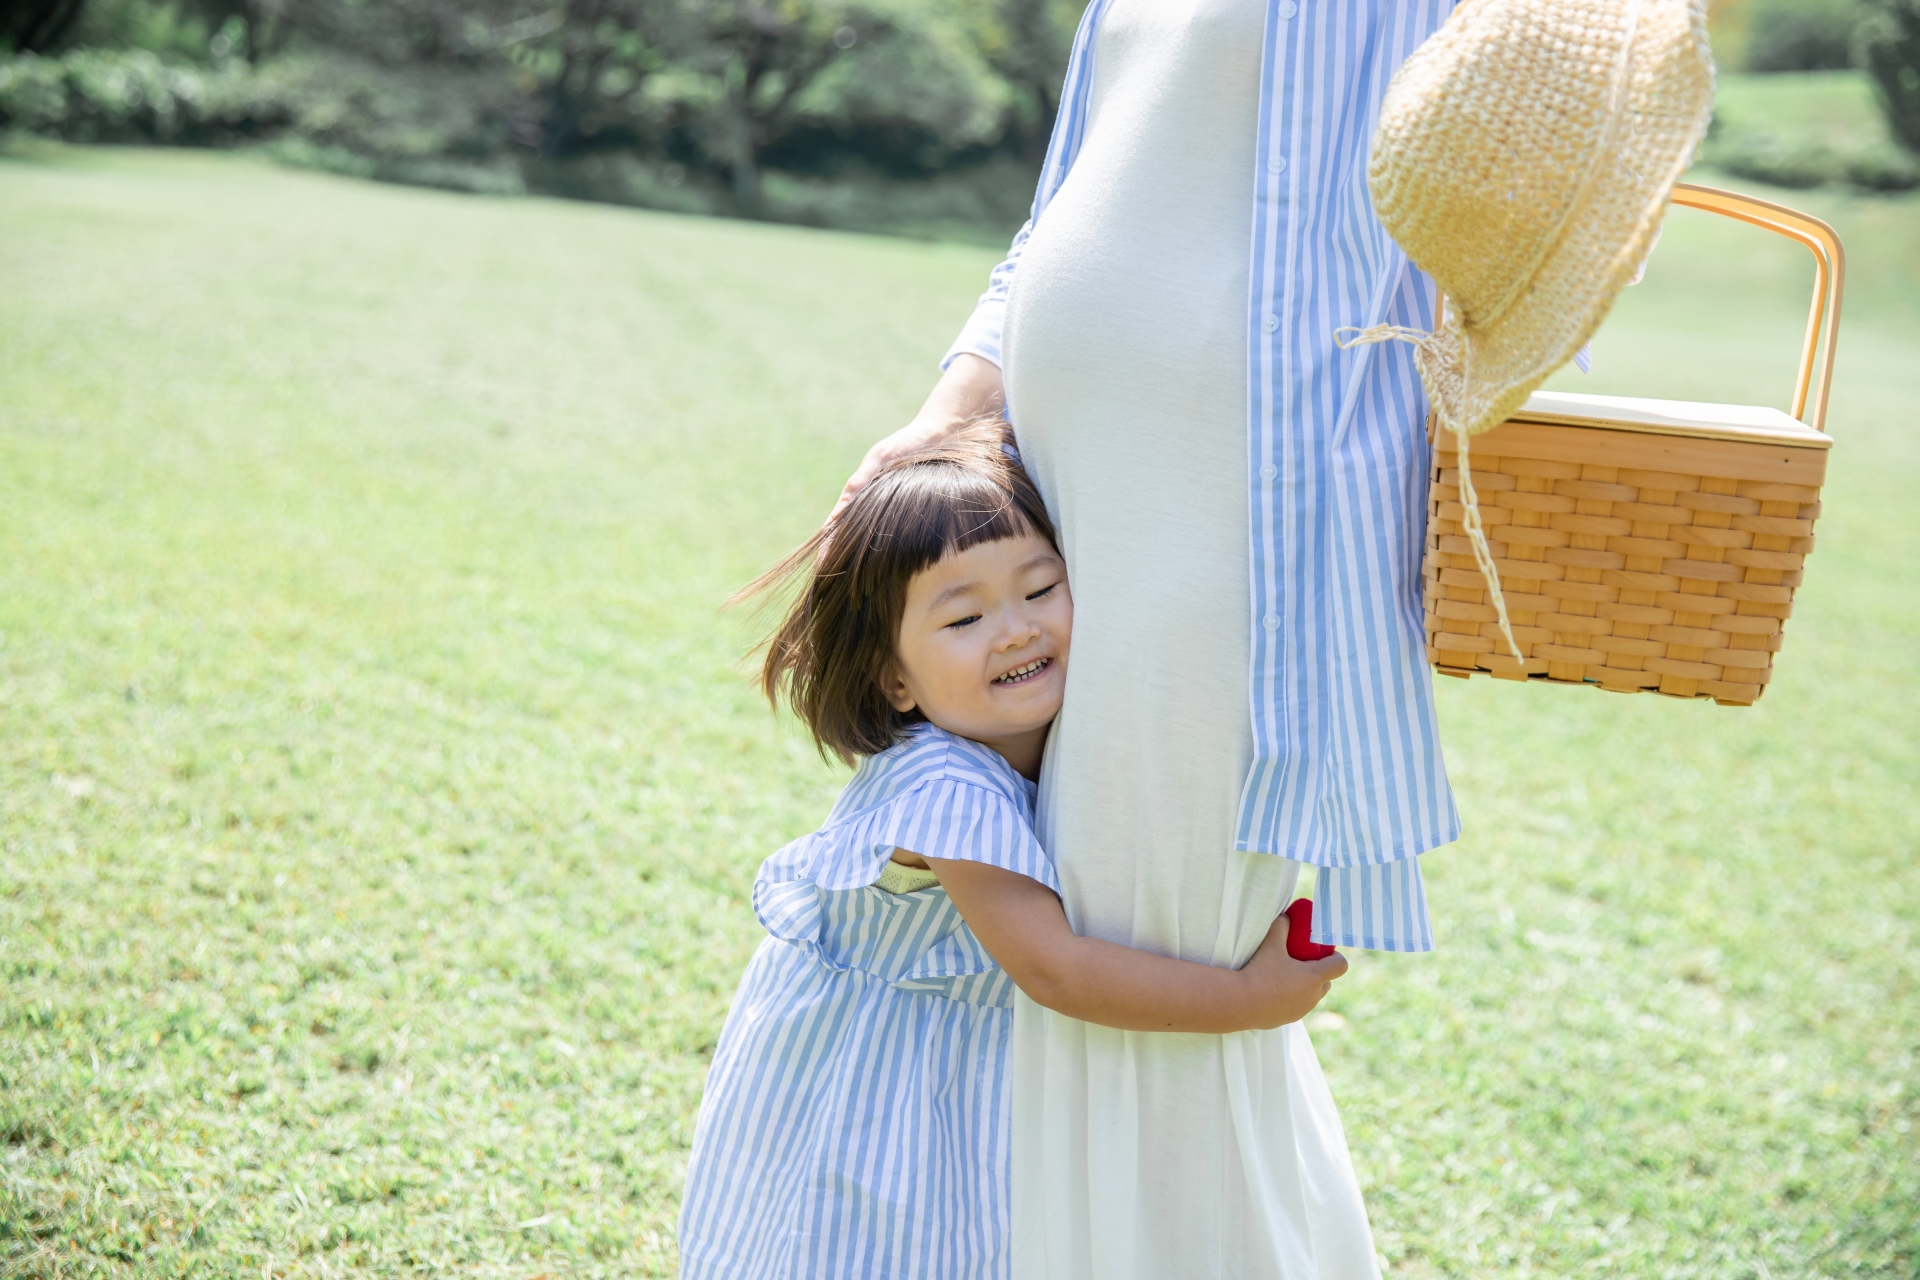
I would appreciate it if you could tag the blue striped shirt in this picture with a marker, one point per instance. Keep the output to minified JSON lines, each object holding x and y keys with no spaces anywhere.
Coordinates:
{"x":1347,"y":771}
{"x":855,"y":1121}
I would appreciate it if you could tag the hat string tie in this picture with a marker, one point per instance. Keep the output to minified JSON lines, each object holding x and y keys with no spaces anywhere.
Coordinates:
{"x":1352,"y":336}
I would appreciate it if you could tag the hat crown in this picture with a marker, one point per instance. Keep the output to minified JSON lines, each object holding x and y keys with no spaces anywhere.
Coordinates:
{"x":1502,"y":130}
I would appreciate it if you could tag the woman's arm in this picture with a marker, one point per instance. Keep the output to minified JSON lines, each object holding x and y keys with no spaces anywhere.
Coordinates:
{"x":1023,"y":926}
{"x":970,"y":387}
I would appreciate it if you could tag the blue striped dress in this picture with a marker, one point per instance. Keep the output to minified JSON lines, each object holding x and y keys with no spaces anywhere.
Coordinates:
{"x":855,"y":1122}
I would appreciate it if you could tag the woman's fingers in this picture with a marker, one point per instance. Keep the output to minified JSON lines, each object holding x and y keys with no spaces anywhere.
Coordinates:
{"x":870,"y":466}
{"x":970,"y":386}
{"x":912,"y":438}
{"x":861,"y":477}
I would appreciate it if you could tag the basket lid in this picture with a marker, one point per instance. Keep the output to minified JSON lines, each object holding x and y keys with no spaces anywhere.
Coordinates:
{"x":1694,"y":418}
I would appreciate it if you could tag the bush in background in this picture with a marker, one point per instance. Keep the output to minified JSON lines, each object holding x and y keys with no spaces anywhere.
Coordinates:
{"x":1764,"y":156}
{"x":1815,"y":129}
{"x":91,"y":95}
{"x":328,"y":105}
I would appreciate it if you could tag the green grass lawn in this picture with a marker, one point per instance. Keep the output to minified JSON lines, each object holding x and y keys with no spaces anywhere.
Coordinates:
{"x":380,"y":789}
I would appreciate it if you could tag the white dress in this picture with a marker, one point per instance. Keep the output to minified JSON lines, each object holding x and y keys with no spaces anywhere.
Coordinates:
{"x":1142,"y":1156}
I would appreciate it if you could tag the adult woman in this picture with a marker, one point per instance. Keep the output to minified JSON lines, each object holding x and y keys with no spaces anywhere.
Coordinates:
{"x":1162,"y":333}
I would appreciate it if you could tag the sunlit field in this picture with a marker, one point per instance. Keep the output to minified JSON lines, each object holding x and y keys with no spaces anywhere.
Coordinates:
{"x":380,"y":787}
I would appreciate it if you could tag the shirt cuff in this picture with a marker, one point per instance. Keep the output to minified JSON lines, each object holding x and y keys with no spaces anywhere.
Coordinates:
{"x":981,"y":335}
{"x":1382,"y":907}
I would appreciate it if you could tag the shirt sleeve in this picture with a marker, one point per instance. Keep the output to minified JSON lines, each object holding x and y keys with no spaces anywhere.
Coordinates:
{"x":939,"y":818}
{"x":1382,"y":907}
{"x":980,"y":336}
{"x":804,"y":889}
{"x":969,"y":823}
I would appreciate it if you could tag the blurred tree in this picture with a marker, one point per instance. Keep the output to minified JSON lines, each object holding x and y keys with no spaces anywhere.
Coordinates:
{"x":1027,"y":42}
{"x":391,"y":32}
{"x":1889,"y":48}
{"x":37,"y":26}
{"x":266,"y":24}
{"x":741,"y":76}
{"x":763,"y":58}
{"x":592,"y":61}
{"x":726,"y":88}
{"x":1800,"y":35}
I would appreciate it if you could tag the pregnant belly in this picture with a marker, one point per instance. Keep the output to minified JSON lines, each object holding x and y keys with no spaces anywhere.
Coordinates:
{"x":1125,"y":352}
{"x":1136,"y":302}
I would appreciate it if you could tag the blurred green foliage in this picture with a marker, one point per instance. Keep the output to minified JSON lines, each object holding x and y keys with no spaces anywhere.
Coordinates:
{"x":685,"y":104}
{"x":924,"y":115}
{"x":1817,"y":92}
{"x":1801,"y":35}
{"x":1881,"y":37}
{"x":1821,"y":128}
{"x":1889,"y":48}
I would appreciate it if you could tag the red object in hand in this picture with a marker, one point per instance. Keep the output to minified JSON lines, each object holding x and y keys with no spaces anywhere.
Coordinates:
{"x":1300,"y":943}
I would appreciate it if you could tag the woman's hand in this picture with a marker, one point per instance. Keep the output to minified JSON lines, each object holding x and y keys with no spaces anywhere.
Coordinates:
{"x":1283,"y":989}
{"x":970,"y":387}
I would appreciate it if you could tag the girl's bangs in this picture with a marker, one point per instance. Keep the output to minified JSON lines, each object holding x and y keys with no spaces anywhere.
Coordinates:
{"x":942,"y":511}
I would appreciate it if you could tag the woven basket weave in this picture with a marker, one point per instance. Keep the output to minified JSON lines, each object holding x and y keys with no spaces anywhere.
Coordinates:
{"x":1641,"y":544}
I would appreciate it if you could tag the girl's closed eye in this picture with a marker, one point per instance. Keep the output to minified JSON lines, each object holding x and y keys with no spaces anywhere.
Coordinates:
{"x":967,"y":621}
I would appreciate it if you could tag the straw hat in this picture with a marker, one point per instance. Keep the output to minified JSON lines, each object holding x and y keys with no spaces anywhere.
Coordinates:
{"x":1524,"y":156}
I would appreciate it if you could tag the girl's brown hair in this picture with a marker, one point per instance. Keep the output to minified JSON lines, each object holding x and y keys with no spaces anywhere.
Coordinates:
{"x":831,"y":654}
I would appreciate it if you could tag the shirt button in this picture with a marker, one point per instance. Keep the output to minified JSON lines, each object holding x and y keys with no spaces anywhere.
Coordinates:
{"x":1271,"y":622}
{"x":1287,"y":9}
{"x":1277,"y":165}
{"x":1269,"y":471}
{"x":1270,"y":324}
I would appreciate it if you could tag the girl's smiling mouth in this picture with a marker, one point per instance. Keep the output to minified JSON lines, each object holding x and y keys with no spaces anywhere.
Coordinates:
{"x":1020,"y":675}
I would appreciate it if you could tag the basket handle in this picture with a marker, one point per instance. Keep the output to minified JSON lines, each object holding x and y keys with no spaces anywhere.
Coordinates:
{"x":1829,"y":278}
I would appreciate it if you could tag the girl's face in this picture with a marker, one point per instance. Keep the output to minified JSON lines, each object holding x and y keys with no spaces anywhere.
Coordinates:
{"x":982,"y":650}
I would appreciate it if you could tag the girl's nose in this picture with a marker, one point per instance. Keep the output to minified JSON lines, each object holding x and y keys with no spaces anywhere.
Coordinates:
{"x":1019,"y":630}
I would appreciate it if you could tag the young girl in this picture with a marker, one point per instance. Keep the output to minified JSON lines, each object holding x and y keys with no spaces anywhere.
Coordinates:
{"x":855,"y":1122}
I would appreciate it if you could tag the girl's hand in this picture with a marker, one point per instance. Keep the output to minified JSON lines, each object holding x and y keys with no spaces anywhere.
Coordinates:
{"x":1283,"y":989}
{"x":970,"y":387}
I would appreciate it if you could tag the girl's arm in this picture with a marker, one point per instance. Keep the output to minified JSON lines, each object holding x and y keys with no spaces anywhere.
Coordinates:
{"x":1023,"y":926}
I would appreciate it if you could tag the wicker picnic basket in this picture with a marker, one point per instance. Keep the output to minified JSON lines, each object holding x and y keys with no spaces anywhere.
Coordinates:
{"x":1641,"y":544}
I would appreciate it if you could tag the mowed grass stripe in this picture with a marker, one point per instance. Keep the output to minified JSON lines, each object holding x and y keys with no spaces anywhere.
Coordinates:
{"x":380,"y":787}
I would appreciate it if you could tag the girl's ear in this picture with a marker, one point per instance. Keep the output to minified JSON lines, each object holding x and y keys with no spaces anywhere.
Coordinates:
{"x":895,"y":690}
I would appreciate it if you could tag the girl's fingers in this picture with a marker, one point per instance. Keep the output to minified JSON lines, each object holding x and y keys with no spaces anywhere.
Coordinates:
{"x":1332,"y":967}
